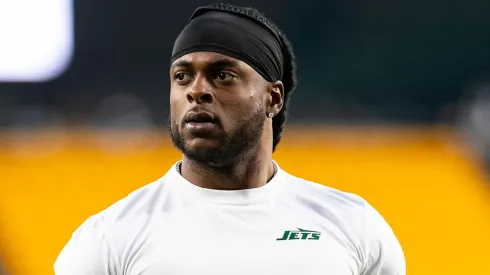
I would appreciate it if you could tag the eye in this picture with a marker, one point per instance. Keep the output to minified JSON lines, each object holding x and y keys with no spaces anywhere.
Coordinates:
{"x":224,"y":76}
{"x":181,"y":77}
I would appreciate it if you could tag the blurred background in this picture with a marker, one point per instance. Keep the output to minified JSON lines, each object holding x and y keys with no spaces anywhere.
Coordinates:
{"x":393,"y":104}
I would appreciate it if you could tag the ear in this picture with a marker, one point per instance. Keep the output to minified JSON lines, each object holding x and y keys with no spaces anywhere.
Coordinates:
{"x":276,"y":93}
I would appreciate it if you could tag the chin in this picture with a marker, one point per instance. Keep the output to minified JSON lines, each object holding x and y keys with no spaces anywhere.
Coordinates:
{"x":197,"y":144}
{"x":208,"y":152}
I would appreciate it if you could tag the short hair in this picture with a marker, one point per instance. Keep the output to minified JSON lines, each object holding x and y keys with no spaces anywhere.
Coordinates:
{"x":289,"y":78}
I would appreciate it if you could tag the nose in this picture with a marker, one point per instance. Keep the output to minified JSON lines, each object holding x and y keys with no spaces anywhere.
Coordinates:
{"x":200,"y":92}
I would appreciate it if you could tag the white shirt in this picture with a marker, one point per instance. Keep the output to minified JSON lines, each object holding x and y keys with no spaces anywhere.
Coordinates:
{"x":289,"y":226}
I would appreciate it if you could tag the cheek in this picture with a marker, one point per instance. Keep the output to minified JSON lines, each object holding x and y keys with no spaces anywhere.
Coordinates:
{"x":174,"y":94}
{"x":176,"y":104}
{"x":236,"y":112}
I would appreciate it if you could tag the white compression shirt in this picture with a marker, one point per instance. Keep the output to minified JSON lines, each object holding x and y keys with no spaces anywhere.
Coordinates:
{"x":289,"y":226}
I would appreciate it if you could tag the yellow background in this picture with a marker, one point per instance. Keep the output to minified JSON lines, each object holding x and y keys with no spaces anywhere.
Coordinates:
{"x":421,"y":180}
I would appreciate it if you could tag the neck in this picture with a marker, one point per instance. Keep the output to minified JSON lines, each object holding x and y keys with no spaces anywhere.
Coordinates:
{"x":250,"y":172}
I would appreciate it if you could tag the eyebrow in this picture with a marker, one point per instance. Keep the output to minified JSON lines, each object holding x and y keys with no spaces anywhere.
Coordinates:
{"x":216,"y":64}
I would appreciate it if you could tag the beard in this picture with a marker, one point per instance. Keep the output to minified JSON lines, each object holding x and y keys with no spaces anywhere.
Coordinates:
{"x":230,"y":148}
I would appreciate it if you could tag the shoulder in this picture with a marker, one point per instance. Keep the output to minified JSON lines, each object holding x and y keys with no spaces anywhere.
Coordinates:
{"x":357,"y":220}
{"x":127,"y":218}
{"x":87,"y":251}
{"x":325,"y":198}
{"x":338,"y":211}
{"x":143,"y":201}
{"x":96,"y":243}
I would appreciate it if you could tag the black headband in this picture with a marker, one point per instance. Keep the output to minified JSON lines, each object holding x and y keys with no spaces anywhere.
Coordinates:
{"x":233,"y":35}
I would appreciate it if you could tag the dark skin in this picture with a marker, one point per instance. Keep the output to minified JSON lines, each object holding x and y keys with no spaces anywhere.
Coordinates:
{"x":233,"y":150}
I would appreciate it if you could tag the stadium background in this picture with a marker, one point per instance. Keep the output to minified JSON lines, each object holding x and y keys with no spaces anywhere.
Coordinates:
{"x":393,"y":104}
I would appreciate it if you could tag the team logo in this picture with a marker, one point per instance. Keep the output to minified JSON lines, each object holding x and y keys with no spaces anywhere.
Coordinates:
{"x":300,"y":234}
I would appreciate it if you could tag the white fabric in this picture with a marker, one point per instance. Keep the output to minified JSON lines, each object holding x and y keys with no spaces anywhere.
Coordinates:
{"x":172,"y":227}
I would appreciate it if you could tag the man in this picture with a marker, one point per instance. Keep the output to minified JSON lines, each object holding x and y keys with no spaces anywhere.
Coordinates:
{"x":227,"y":208}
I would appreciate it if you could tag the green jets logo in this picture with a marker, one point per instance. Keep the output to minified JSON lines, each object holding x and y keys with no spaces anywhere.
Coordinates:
{"x":301,"y":234}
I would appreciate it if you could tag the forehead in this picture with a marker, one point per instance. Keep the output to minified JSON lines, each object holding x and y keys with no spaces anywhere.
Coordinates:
{"x":201,"y":59}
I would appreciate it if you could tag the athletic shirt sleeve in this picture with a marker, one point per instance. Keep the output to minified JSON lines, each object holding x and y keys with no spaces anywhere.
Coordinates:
{"x":87,"y":252}
{"x":384,"y":255}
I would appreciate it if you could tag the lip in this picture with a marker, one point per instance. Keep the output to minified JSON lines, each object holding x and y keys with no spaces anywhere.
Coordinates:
{"x":199,"y":117}
{"x":200,"y":123}
{"x":201,"y":127}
